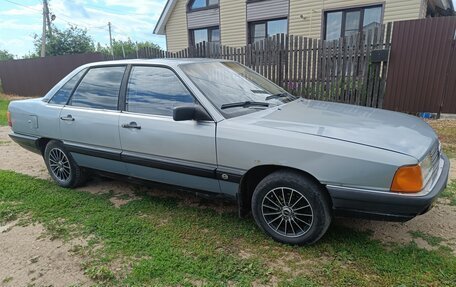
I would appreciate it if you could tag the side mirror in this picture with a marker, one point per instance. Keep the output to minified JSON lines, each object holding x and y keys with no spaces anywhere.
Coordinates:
{"x":190,"y":113}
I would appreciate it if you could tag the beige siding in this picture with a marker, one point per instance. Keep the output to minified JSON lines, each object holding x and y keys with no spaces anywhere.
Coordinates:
{"x":306,"y":16}
{"x":233,"y":22}
{"x":176,"y":28}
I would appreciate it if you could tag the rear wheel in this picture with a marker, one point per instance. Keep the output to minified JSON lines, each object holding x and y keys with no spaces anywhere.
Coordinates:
{"x":291,"y":208}
{"x":62,"y":167}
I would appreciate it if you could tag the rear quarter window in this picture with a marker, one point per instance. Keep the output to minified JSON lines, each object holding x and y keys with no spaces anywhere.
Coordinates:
{"x":99,"y":89}
{"x":62,"y":95}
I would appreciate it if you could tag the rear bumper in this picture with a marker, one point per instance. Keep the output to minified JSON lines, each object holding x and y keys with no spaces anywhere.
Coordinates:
{"x":28,"y":142}
{"x":387,"y":205}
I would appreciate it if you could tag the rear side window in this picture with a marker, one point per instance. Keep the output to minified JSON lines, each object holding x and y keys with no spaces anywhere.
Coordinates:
{"x":155,"y":91}
{"x":62,"y":95}
{"x":99,"y":89}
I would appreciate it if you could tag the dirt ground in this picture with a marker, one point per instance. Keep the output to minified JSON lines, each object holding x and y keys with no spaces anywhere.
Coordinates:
{"x":31,"y":258}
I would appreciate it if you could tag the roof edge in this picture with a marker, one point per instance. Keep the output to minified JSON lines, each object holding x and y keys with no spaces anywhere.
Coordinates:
{"x":164,"y":16}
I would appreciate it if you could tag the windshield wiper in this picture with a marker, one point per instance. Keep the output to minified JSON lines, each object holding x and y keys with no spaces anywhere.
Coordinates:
{"x":245,"y":104}
{"x":279,"y":95}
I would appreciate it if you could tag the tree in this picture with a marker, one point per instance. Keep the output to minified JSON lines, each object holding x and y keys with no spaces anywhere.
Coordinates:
{"x":72,"y":40}
{"x":129,"y":47}
{"x":5,"y":55}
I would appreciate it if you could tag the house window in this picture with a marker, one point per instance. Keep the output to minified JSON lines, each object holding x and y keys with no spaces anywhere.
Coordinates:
{"x":347,"y":22}
{"x":202,"y":4}
{"x":211,"y":35}
{"x":262,"y":29}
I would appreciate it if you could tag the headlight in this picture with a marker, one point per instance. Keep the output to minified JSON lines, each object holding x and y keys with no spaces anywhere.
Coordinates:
{"x":426,"y":167}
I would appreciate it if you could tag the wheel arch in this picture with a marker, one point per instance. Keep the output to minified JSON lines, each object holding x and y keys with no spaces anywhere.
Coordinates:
{"x":252,"y":178}
{"x":41,"y":144}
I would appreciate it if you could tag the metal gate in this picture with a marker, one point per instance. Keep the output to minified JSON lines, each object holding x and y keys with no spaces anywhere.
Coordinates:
{"x":422,"y":66}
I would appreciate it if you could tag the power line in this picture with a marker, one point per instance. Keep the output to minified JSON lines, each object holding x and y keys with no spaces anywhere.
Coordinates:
{"x":25,"y":6}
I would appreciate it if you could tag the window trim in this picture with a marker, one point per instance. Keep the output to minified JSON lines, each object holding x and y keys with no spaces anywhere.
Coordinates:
{"x":344,"y":10}
{"x":70,"y":99}
{"x":123,"y":108}
{"x":265,"y":21}
{"x":207,"y":7}
{"x":84,"y":70}
{"x":209,"y":35}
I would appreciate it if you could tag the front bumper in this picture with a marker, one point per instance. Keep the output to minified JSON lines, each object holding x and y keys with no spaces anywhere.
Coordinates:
{"x":389,"y":206}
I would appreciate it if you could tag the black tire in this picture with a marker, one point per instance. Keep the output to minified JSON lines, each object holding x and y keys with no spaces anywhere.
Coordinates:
{"x":62,"y":167}
{"x":292,"y":192}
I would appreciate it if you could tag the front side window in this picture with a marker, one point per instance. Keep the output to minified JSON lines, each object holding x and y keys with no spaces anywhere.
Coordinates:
{"x":62,"y":95}
{"x":227,"y":84}
{"x":211,"y":35}
{"x":262,"y":29}
{"x":99,"y":89}
{"x":201,"y":4}
{"x":347,"y":22}
{"x":155,"y":91}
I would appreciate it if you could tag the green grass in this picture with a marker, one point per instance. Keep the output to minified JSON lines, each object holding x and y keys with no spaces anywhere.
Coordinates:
{"x":430,"y":239}
{"x":3,"y":109}
{"x":446,"y":129}
{"x":163,"y":242}
{"x":450,"y":193}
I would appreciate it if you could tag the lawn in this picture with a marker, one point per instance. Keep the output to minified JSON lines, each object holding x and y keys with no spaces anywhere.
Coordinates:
{"x":160,"y":241}
{"x":446,"y":129}
{"x":3,"y":108}
{"x":163,"y":242}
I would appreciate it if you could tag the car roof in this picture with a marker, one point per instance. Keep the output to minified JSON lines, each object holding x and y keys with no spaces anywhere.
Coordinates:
{"x":172,"y":62}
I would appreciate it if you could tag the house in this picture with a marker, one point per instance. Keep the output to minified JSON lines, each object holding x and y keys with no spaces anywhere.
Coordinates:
{"x":238,"y":22}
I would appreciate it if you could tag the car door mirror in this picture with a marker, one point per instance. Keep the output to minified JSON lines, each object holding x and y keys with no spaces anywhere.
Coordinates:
{"x":190,"y":113}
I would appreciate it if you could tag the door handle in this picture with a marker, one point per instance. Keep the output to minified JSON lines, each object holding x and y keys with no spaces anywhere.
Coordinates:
{"x":132,"y":125}
{"x":67,"y":118}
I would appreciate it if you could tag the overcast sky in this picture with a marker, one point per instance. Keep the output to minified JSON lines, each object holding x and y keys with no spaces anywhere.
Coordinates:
{"x":21,"y":19}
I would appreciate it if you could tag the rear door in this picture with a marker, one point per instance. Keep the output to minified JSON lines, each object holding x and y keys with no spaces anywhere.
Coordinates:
{"x":89,"y":122}
{"x":154,"y":146}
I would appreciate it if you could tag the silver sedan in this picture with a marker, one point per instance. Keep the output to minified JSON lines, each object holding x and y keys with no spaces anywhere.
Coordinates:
{"x":218,"y":127}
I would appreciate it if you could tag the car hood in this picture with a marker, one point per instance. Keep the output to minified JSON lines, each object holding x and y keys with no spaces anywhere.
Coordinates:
{"x":378,"y":128}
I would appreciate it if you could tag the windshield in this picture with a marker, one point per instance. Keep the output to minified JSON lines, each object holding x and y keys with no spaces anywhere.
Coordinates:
{"x":234,"y":89}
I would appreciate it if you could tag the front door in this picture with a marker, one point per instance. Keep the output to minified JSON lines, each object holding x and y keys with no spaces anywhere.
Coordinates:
{"x":154,"y":146}
{"x":89,"y":123}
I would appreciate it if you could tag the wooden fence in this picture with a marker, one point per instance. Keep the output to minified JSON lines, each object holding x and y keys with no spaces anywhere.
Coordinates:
{"x":350,"y":70}
{"x":35,"y":77}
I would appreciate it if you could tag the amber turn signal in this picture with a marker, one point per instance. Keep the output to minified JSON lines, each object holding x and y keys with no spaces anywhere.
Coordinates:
{"x":8,"y":117}
{"x":408,"y":179}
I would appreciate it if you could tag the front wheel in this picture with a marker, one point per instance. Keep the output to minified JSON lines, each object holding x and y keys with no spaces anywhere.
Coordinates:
{"x":291,"y":208}
{"x":62,"y":167}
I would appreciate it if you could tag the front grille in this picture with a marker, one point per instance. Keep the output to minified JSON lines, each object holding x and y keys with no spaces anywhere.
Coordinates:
{"x":435,"y":158}
{"x":435,"y":154}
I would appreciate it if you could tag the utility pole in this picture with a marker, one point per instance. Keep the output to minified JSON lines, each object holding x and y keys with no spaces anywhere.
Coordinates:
{"x":110,"y":39}
{"x":47,"y":17}
{"x":43,"y":36}
{"x":46,"y":21}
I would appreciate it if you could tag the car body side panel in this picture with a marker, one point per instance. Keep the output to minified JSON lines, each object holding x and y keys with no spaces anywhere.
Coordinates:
{"x":99,"y":163}
{"x":173,"y":178}
{"x":93,"y":133}
{"x":330,"y":161}
{"x":35,"y":117}
{"x":91,"y":126}
{"x":185,"y":150}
